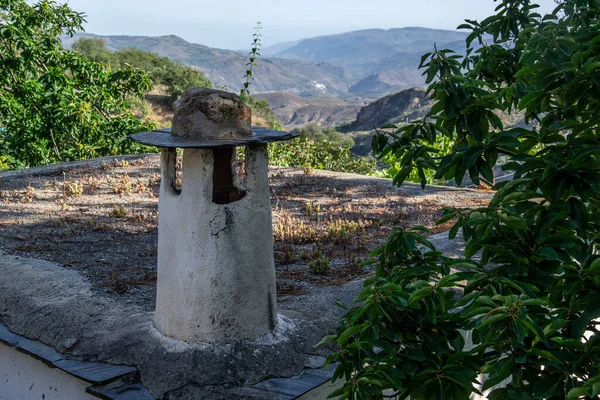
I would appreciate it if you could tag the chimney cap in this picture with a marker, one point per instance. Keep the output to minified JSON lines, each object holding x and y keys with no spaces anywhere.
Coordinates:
{"x":207,"y":118}
{"x":163,"y":138}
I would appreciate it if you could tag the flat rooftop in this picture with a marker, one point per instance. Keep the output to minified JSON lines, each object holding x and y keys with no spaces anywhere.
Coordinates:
{"x":78,"y":269}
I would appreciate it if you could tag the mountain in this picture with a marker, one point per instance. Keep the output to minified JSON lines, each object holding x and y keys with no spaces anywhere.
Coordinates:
{"x":293,"y":111}
{"x":356,"y":49}
{"x":271,"y":51}
{"x":373,"y":62}
{"x":378,"y":61}
{"x":227,"y":67}
{"x":387,"y":81}
{"x":403,"y":106}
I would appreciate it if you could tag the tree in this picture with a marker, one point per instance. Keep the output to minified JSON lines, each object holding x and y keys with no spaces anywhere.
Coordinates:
{"x":315,"y":131}
{"x":176,"y":76}
{"x":94,"y":49}
{"x":179,"y":78}
{"x":527,"y":291}
{"x":54,"y":104}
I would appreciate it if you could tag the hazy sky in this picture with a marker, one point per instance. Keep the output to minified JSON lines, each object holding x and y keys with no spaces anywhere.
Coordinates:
{"x":229,"y":23}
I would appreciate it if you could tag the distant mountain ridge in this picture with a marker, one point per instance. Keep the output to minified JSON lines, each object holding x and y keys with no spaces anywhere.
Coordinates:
{"x":227,"y":67}
{"x":372,"y":62}
{"x":367,"y":47}
{"x":380,"y":61}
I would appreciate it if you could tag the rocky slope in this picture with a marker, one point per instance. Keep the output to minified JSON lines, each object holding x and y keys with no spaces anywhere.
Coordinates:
{"x":293,"y":111}
{"x":395,"y":108}
{"x":388,"y":81}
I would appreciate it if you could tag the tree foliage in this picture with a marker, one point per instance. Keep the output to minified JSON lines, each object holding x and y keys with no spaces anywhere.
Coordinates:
{"x":56,"y":105}
{"x":176,"y":76}
{"x":316,"y":132}
{"x":309,"y":154}
{"x":527,"y":291}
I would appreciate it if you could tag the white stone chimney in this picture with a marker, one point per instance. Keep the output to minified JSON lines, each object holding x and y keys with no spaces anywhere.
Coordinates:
{"x":216,"y":273}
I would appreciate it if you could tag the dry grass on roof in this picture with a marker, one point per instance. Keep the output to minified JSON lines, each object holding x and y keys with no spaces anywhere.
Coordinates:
{"x":102,"y":221}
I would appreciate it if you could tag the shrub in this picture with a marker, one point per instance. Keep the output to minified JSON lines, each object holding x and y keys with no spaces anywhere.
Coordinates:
{"x":305,"y":153}
{"x":529,"y":300}
{"x":314,"y":131}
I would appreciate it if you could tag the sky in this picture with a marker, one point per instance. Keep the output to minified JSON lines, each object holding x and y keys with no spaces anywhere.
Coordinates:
{"x":229,"y":24}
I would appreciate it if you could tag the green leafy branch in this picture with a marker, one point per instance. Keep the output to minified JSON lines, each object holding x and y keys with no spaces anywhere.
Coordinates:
{"x":253,"y":56}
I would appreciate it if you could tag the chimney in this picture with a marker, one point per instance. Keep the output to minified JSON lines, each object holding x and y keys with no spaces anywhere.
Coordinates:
{"x":216,"y":273}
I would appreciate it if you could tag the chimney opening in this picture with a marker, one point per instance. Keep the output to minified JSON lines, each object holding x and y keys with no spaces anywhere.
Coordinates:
{"x":224,"y":189}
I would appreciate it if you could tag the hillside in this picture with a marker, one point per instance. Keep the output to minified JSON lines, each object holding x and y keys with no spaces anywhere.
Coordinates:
{"x":400,"y":107}
{"x":227,"y":67}
{"x":293,"y":111}
{"x":391,"y":81}
{"x":373,"y":62}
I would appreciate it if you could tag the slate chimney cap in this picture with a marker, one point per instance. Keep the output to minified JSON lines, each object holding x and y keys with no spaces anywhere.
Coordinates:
{"x":163,"y":138}
{"x":206,"y":118}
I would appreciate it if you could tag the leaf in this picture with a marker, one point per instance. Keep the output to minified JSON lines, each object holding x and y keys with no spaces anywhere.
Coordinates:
{"x":446,"y":218}
{"x":520,"y":331}
{"x":547,"y":253}
{"x":591,"y":67}
{"x":415,"y":354}
{"x":448,"y":281}
{"x":502,"y":370}
{"x":349,"y":333}
{"x":458,"y":343}
{"x":409,"y":368}
{"x":370,"y":381}
{"x":472,"y":248}
{"x":418,"y":295}
{"x":533,"y":327}
{"x":591,"y":312}
{"x":492,"y":320}
{"x":466,"y":299}
{"x":545,"y":387}
{"x":326,"y":339}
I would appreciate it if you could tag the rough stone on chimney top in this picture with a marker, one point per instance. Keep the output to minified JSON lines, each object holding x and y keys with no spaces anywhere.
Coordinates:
{"x":203,"y":113}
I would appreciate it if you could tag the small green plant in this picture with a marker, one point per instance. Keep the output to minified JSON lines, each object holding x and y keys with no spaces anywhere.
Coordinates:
{"x":290,"y":229}
{"x":343,"y":231}
{"x":119,"y":162}
{"x":123,"y":186}
{"x":320,"y":266}
{"x":311,"y":208}
{"x":287,"y":254}
{"x":29,"y":195}
{"x":72,"y":189}
{"x":253,"y":56}
{"x":154,"y":180}
{"x":317,"y":261}
{"x":118,"y":211}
